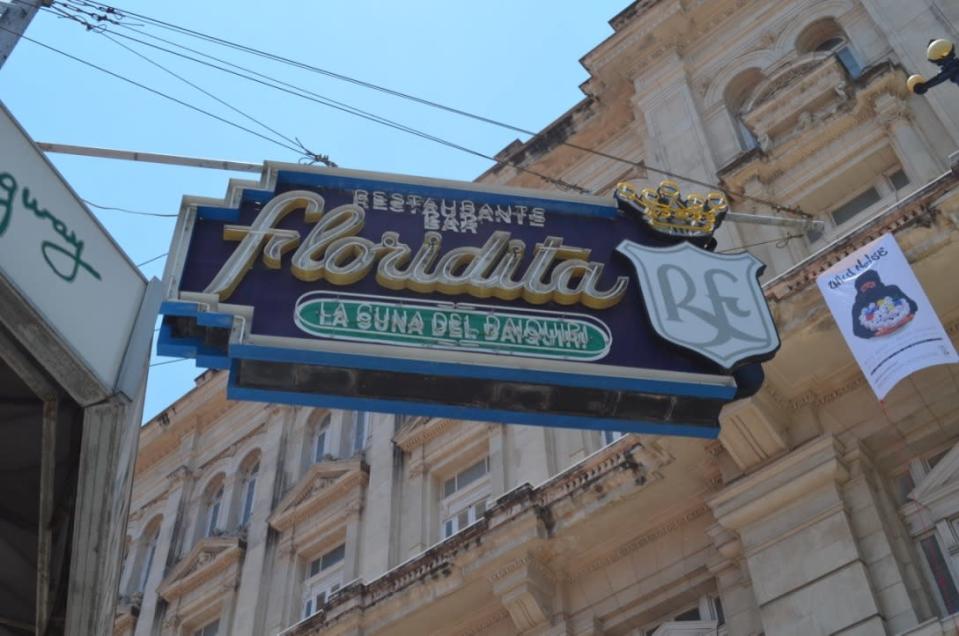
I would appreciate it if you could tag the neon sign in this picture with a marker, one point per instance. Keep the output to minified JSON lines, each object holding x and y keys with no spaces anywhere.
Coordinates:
{"x":381,"y":292}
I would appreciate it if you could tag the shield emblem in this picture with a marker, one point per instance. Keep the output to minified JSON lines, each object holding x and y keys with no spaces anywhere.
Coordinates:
{"x":709,"y":303}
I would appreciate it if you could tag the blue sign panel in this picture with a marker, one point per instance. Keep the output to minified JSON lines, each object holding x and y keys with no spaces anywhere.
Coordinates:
{"x":331,"y":287}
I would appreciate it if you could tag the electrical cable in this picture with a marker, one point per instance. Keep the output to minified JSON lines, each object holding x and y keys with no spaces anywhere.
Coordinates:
{"x":160,"y":364}
{"x":780,"y":242}
{"x":129,"y":211}
{"x":341,"y":106}
{"x":150,"y":260}
{"x":278,"y":58}
{"x":202,"y":90}
{"x":152,"y":90}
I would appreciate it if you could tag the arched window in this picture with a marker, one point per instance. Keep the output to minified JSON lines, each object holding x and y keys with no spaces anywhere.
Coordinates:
{"x":826,"y":35}
{"x":735,"y":96}
{"x":248,"y":491}
{"x":145,"y":555}
{"x":212,"y":507}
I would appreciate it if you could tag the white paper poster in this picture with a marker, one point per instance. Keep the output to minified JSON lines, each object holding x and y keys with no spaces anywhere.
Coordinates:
{"x":884,"y":314}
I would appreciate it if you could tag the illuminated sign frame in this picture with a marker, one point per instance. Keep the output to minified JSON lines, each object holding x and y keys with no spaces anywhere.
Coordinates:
{"x":284,"y":283}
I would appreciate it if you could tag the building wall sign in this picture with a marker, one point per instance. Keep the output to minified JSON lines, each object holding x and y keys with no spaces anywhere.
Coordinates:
{"x":884,"y":314}
{"x":61,"y":261}
{"x":381,"y":292}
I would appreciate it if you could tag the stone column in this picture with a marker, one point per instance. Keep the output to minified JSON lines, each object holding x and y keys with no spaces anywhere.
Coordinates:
{"x":909,"y":26}
{"x":733,"y":584}
{"x":912,"y":150}
{"x":414,"y":531}
{"x":499,"y":467}
{"x":378,"y":521}
{"x":351,"y":560}
{"x":283,"y":596}
{"x":250,"y":600}
{"x":799,"y":546}
{"x":529,"y":460}
{"x":163,"y":558}
{"x":885,"y":546}
{"x":675,"y":135}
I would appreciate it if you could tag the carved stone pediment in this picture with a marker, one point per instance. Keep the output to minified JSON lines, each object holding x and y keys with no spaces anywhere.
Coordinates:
{"x":207,"y":559}
{"x":322,"y":484}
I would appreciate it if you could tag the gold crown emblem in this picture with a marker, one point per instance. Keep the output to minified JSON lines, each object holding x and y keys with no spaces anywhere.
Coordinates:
{"x":665,"y":211}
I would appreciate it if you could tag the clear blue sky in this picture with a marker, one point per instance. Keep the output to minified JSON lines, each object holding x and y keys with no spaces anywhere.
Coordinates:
{"x":508,"y":60}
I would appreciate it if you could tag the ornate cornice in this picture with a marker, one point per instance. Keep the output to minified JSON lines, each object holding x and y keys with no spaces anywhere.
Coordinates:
{"x":480,"y":624}
{"x":914,"y":208}
{"x":641,"y":541}
{"x":421,"y":431}
{"x":232,"y":449}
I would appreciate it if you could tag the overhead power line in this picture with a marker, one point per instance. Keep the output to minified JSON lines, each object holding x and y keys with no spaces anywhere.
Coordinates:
{"x":129,"y":211}
{"x":341,"y":106}
{"x":202,"y":90}
{"x":150,"y":260}
{"x":152,"y":90}
{"x":115,"y":11}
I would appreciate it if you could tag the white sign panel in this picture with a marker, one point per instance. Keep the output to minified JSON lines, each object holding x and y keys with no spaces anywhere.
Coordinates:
{"x":706,"y":302}
{"x":884,"y":315}
{"x":65,"y":265}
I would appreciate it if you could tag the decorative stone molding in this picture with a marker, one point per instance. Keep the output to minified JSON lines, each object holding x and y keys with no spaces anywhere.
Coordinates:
{"x":799,"y":138}
{"x":909,"y":210}
{"x":760,"y":494}
{"x":418,"y":468}
{"x":180,"y":473}
{"x":641,"y":541}
{"x":209,"y":558}
{"x":525,"y":587}
{"x":481,"y":624}
{"x":322,"y":484}
{"x":754,"y":430}
{"x":421,"y":431}
{"x":232,"y":449}
{"x":891,"y":109}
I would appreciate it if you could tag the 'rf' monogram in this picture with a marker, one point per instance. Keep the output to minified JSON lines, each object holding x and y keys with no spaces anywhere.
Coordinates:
{"x":722,"y":306}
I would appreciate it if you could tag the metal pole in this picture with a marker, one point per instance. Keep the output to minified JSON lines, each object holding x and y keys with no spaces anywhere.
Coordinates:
{"x":803,"y":225}
{"x":150,"y":157}
{"x":14,"y":20}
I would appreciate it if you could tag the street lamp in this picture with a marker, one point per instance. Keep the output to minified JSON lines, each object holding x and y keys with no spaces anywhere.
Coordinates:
{"x":941,"y":52}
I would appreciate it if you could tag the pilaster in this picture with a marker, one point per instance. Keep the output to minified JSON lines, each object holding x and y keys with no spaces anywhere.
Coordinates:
{"x":791,"y":507}
{"x":913,"y":151}
{"x":379,"y":521}
{"x":415,"y":536}
{"x":249,"y":596}
{"x":179,"y":480}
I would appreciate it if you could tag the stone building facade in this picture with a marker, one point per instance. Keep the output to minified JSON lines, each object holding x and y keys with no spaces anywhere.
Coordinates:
{"x":819,"y":510}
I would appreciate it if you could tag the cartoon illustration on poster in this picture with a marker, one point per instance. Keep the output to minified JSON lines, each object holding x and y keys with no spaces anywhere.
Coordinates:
{"x":884,"y":315}
{"x":879,"y":309}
